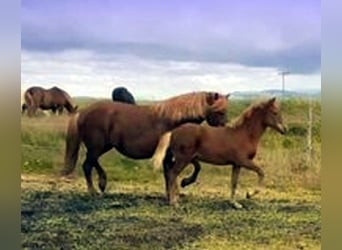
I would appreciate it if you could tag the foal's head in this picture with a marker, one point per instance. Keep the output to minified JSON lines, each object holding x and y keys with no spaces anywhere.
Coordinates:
{"x":272,"y":116}
{"x":266,"y":114}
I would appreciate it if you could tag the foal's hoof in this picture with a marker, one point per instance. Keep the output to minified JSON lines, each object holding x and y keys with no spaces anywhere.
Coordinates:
{"x":183,"y":183}
{"x":249,"y":195}
{"x":182,"y":195}
{"x":173,"y":203}
{"x":236,"y":205}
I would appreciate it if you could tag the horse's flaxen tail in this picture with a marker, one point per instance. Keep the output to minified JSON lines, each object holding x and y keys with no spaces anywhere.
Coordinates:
{"x":159,"y":154}
{"x":28,"y":98}
{"x":73,"y":142}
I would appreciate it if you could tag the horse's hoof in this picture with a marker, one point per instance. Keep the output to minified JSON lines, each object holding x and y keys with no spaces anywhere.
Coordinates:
{"x":102,"y":188}
{"x":93,"y":193}
{"x":102,"y":194}
{"x":236,"y":205}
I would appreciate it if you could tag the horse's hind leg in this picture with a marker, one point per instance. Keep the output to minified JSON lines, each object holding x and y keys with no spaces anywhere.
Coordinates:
{"x":102,"y":182}
{"x":191,"y":179}
{"x":31,"y":110}
{"x":87,"y":169}
{"x":102,"y":176}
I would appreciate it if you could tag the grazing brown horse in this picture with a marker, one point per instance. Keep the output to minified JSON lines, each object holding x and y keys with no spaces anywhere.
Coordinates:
{"x":54,"y":98}
{"x":54,"y":109}
{"x":134,"y":130}
{"x":235,"y":145}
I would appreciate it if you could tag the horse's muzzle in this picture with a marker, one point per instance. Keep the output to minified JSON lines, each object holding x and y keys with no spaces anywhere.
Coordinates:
{"x":281,"y":128}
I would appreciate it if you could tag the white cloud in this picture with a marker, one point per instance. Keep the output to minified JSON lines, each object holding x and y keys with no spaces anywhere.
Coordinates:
{"x":83,"y":73}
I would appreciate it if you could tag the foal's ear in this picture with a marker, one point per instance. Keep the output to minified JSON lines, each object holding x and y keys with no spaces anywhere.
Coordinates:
{"x":227,"y":95}
{"x":272,"y":100}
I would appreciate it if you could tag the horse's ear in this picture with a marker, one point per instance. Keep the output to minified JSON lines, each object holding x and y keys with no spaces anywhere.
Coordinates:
{"x":227,"y":95}
{"x":212,"y":97}
{"x":76,"y":107}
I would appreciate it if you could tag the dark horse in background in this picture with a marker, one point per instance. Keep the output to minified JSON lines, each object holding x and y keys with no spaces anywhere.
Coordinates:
{"x":121,"y":94}
{"x":54,"y":109}
{"x":134,"y":130}
{"x":229,"y":145}
{"x":54,"y":99}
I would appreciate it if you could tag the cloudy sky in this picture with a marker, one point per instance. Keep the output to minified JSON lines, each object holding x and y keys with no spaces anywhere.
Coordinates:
{"x":162,"y":48}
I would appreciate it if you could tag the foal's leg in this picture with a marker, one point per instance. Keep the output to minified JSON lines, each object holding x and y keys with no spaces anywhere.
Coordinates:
{"x":172,"y":175}
{"x":234,"y":181}
{"x":191,"y":179}
{"x":167,"y":165}
{"x":250,"y":165}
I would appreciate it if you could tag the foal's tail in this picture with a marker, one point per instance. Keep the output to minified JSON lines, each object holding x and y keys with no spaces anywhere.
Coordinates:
{"x":159,"y":154}
{"x":73,"y":141}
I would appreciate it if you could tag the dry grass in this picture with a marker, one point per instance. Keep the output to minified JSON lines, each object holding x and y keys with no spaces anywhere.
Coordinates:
{"x":133,"y":214}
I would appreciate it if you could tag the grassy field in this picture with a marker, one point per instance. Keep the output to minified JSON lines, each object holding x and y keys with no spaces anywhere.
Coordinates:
{"x":59,"y":214}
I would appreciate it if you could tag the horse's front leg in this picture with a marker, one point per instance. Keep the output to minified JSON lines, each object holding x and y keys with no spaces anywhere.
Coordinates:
{"x":234,"y":181}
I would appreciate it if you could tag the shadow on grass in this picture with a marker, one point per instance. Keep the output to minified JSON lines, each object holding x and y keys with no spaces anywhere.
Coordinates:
{"x":55,"y":220}
{"x":83,"y":203}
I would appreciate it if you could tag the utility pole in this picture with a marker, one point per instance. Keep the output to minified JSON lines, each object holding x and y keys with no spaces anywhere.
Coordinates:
{"x":283,"y":74}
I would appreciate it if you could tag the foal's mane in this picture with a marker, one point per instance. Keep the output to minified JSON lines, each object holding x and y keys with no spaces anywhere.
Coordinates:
{"x":246,"y":114}
{"x":191,"y":105}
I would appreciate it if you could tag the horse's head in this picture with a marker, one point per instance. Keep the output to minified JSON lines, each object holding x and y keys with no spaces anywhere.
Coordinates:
{"x":273,"y":117}
{"x":216,"y":114}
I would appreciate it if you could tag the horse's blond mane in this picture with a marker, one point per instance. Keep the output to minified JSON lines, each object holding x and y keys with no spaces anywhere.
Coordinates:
{"x":247,"y":113}
{"x":191,"y":105}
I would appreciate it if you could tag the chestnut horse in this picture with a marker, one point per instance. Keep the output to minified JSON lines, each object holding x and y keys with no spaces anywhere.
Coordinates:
{"x":134,"y":130}
{"x":54,"y":98}
{"x":121,"y":94}
{"x":235,"y":145}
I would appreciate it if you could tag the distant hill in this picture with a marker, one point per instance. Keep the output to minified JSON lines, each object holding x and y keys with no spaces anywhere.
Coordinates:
{"x":316,"y":94}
